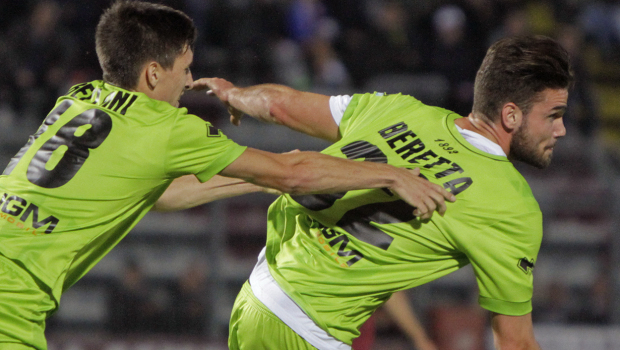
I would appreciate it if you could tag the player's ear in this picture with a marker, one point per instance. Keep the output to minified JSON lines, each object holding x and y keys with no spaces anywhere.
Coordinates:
{"x":153,"y":73}
{"x":511,"y":116}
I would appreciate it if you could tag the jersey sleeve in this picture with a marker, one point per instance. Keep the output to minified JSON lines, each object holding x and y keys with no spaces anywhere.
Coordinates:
{"x":352,"y":113}
{"x":503,"y":256}
{"x":196,"y":147}
{"x":368,"y":109}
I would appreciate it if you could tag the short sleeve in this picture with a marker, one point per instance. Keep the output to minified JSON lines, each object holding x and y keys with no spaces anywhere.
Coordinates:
{"x":371,"y":108}
{"x":503,"y":257}
{"x":196,"y":147}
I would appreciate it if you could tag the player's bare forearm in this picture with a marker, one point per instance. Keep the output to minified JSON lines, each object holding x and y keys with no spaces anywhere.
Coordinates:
{"x":312,"y":172}
{"x":187,"y":192}
{"x":305,"y":112}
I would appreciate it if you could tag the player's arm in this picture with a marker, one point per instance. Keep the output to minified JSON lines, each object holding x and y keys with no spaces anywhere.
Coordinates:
{"x":401,"y":311}
{"x":187,"y":192}
{"x":313,"y":172}
{"x":513,"y":332}
{"x":305,"y":112}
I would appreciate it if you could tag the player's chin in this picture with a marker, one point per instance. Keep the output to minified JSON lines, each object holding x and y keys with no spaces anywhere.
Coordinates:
{"x":548,"y":153}
{"x":545,"y":160}
{"x":177,"y":102}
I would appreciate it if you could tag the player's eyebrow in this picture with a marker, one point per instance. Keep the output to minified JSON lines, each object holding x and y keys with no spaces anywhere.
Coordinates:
{"x":558,"y":110}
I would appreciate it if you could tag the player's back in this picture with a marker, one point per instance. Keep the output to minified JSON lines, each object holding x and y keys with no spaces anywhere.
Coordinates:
{"x":99,"y":161}
{"x":340,"y":256}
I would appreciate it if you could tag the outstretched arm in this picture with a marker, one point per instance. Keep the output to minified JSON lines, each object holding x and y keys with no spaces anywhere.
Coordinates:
{"x":187,"y":192}
{"x":401,"y":311}
{"x":312,"y":172}
{"x":305,"y":112}
{"x":513,"y":332}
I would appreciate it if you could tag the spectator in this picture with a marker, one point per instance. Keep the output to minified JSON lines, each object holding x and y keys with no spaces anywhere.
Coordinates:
{"x":129,"y":301}
{"x":583,"y":114}
{"x":516,"y":22}
{"x":455,"y":56}
{"x":601,"y":22}
{"x":42,"y":52}
{"x":386,"y":44}
{"x":190,"y":308}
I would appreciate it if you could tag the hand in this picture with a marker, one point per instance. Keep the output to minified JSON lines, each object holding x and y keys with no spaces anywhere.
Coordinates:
{"x":424,"y":195}
{"x":273,"y":190}
{"x":220,"y":88}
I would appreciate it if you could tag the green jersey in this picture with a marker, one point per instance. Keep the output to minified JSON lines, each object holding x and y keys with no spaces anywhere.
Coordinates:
{"x":341,"y":256}
{"x":98,"y":163}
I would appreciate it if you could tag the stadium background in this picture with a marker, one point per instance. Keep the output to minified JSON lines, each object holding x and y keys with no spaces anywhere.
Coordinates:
{"x":171,"y":283}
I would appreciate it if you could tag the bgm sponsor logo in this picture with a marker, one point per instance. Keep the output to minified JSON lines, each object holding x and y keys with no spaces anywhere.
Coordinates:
{"x":335,"y":243}
{"x":17,"y":210}
{"x":526,"y":265}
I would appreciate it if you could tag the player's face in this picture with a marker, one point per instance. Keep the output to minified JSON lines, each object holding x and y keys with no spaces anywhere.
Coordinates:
{"x":534,"y":140}
{"x":174,"y":81}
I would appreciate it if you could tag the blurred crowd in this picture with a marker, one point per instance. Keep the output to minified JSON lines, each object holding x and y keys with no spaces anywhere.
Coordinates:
{"x":331,"y":47}
{"x":326,"y":46}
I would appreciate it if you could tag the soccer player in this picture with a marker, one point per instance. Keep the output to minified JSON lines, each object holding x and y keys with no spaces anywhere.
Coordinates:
{"x":109,"y":149}
{"x":331,"y":260}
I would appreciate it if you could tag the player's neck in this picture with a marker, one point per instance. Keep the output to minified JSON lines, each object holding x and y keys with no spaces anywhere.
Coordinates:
{"x":492,"y":131}
{"x":144,"y":87}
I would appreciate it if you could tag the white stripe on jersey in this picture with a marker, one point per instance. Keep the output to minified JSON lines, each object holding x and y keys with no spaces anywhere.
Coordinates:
{"x":267,"y":290}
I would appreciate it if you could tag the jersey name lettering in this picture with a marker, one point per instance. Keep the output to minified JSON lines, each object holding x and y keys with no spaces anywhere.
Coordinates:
{"x":113,"y":102}
{"x":407,"y":144}
{"x":118,"y":99}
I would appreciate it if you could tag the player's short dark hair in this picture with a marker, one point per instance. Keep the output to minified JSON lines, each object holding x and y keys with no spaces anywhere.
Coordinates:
{"x":517,"y":69}
{"x":132,"y":33}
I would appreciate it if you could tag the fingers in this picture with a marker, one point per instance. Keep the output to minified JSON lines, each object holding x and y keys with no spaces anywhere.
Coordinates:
{"x":215,"y":85}
{"x":236,"y":121}
{"x":219,"y":88}
{"x":433,"y":201}
{"x":426,"y":196}
{"x":440,"y":203}
{"x":200,"y":84}
{"x":415,"y":171}
{"x":235,"y":115}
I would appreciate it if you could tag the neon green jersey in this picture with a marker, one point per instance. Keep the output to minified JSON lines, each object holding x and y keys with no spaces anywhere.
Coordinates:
{"x":97,"y":164}
{"x":340,"y":256}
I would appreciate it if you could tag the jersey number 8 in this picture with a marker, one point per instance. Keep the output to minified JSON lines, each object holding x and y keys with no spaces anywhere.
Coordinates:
{"x":58,"y":160}
{"x":358,"y":221}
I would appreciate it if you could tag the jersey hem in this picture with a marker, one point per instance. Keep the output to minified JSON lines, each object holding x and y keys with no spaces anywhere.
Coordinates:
{"x":267,"y":290}
{"x":506,"y":307}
